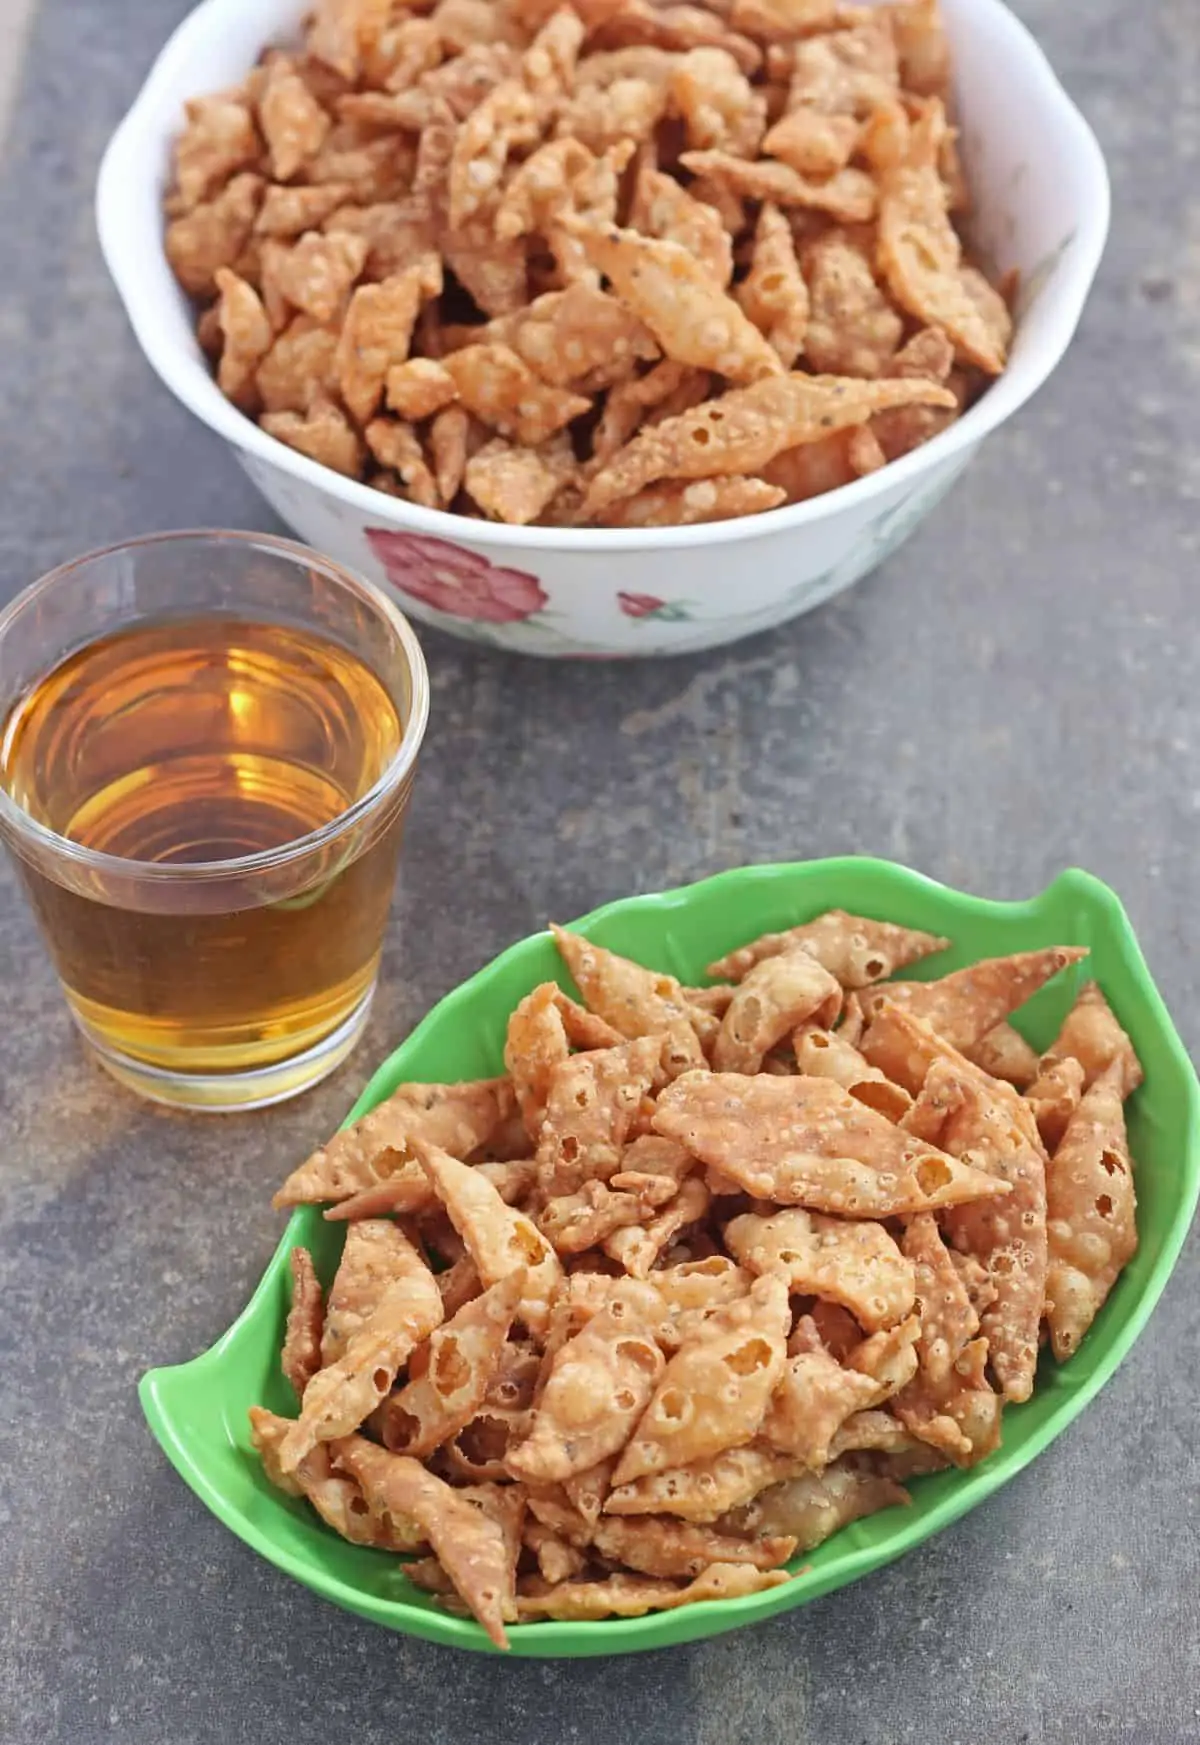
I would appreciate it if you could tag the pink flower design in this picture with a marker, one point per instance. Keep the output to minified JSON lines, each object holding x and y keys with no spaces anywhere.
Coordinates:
{"x":639,"y":605}
{"x":455,"y":581}
{"x":649,"y":606}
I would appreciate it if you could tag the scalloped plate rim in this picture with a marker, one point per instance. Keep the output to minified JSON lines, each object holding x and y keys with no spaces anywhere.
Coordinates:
{"x":661,"y":1629}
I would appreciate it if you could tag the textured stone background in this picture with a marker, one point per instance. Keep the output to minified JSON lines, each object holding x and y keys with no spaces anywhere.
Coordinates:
{"x":1014,"y":692}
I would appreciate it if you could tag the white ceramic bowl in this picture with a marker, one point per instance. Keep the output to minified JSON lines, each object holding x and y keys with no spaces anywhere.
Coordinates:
{"x":1042,"y":201}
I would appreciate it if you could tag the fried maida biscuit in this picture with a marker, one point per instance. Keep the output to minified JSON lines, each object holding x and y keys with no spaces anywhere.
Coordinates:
{"x":684,"y":504}
{"x":602,"y":116}
{"x":498,"y":1237}
{"x":830,"y":1054}
{"x":701,"y":1284}
{"x":582,"y":1220}
{"x":888,"y":1357}
{"x":418,"y":387}
{"x":856,"y":950}
{"x":463,"y":1354}
{"x":1054,"y":1097}
{"x":814,"y":1398}
{"x":504,"y":121}
{"x":1004,"y":1053}
{"x":663,"y":1547}
{"x":298,"y":366}
{"x":848,"y":195}
{"x":928,"y":354}
{"x":634,"y":1000}
{"x":586,"y":1491}
{"x":398,"y":448}
{"x":855,"y":1263}
{"x":592,"y":1101}
{"x":715,"y":1390}
{"x":852,"y":328}
{"x":343,"y":1394}
{"x":1092,"y":1035}
{"x":300,"y":1358}
{"x":218,"y":138}
{"x":557,"y":1559}
{"x":460,"y":1118}
{"x":965,"y":1005}
{"x":904,"y":1047}
{"x":560,"y":177}
{"x":748,"y":426}
{"x":773,"y":293}
{"x":247,"y":337}
{"x":576,"y":1222}
{"x":538,"y":1040}
{"x":1008,"y":1236}
{"x":948,"y":1403}
{"x":468,"y":1542}
{"x":293,"y":123}
{"x":707,"y":1491}
{"x":213,"y":233}
{"x":375,"y":1252}
{"x":688,"y":311}
{"x":630,"y":22}
{"x":580,"y":338}
{"x":599,"y":1384}
{"x":336,"y":1497}
{"x":650,"y":1155}
{"x":636,"y":1247}
{"x":506,"y":1506}
{"x":514,"y":484}
{"x":813,"y":144}
{"x":784,"y":20}
{"x":769,"y":1003}
{"x":847,"y":72}
{"x":814,"y":1505}
{"x":922,"y":46}
{"x":1092,"y":1223}
{"x":408,"y":1193}
{"x":717,"y":103}
{"x":920,"y":254}
{"x":498,"y":387}
{"x":948,"y":1317}
{"x":802,"y":1141}
{"x":377,"y":333}
{"x":632,"y":1596}
{"x":321,"y":432}
{"x":663,"y":208}
{"x":873,"y":1431}
{"x":662,"y":392}
{"x":317,"y":272}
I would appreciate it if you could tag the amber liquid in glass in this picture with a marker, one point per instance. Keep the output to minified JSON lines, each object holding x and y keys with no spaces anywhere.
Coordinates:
{"x":190,"y":741}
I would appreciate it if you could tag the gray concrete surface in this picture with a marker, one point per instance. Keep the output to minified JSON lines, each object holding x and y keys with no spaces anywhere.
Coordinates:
{"x":1016,"y":691}
{"x":14,"y":19}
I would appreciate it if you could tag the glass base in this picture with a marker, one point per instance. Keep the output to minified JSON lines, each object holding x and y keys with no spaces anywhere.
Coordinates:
{"x":219,"y":1093}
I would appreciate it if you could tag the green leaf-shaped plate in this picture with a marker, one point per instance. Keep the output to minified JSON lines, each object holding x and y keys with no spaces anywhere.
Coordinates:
{"x":198,"y":1410}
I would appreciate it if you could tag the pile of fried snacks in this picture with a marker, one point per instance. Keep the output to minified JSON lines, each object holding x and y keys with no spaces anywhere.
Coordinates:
{"x":706,"y":1274}
{"x":608,"y":263}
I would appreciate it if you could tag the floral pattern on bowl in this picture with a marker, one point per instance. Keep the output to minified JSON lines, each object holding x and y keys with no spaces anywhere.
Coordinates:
{"x":568,"y":606}
{"x":454,"y":580}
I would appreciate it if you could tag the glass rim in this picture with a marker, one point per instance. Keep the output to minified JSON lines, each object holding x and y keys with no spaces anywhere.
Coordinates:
{"x":263,"y":860}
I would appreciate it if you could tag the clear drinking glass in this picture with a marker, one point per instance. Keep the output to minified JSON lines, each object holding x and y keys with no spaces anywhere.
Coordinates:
{"x":209,"y":741}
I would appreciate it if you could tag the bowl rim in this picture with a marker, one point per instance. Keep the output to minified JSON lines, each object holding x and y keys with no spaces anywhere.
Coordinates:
{"x":125,"y":163}
{"x":662,"y":1629}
